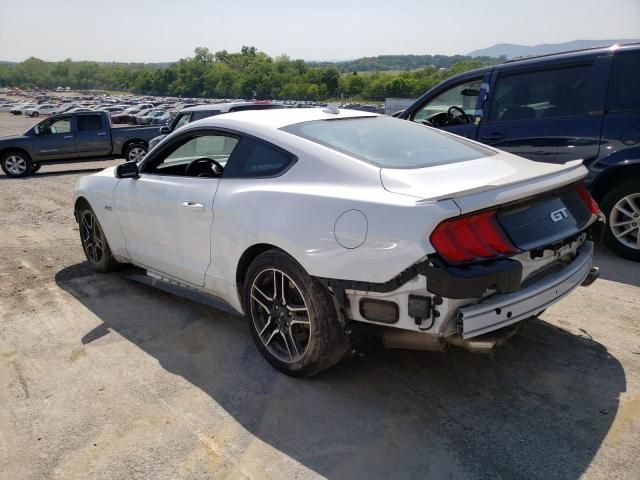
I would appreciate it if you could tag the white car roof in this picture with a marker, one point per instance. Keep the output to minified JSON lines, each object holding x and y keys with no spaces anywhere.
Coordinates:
{"x":278,"y":118}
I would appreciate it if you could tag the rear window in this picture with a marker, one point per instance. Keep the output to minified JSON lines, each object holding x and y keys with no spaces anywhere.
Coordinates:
{"x":87,"y":123}
{"x":624,"y":94}
{"x":389,"y":142}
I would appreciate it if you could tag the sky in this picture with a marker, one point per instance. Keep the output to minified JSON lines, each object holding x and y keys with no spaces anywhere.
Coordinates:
{"x":164,"y":31}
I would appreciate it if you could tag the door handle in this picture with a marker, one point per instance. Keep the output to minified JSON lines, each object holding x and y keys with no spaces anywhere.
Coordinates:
{"x":194,"y":205}
{"x":493,"y":137}
{"x":102,"y":134}
{"x":68,"y":137}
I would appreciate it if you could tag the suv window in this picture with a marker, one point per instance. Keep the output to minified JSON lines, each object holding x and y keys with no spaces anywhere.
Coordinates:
{"x":553,"y":93}
{"x":257,"y":159}
{"x":199,"y":115}
{"x":464,"y":95}
{"x":258,"y":106}
{"x":88,"y":123}
{"x":624,"y":94}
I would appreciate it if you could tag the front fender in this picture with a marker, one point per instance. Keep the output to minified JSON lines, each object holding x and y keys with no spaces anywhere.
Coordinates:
{"x":98,"y":190}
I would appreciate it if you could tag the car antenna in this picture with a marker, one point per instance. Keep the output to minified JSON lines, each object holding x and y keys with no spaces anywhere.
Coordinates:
{"x":331,"y":108}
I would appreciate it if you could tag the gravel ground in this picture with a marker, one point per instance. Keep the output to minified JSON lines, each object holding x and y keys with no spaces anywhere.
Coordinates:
{"x":103,"y":378}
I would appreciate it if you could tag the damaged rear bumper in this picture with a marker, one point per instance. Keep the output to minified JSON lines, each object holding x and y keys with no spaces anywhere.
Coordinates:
{"x":501,"y":310}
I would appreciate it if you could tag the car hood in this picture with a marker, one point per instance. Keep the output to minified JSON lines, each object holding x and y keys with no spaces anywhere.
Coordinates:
{"x":460,"y":179}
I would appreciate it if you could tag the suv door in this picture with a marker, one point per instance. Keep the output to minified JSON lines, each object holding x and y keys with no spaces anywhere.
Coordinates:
{"x":456,"y":108}
{"x":92,"y":135}
{"x":550,"y":114}
{"x":166,"y":214}
{"x":55,"y":139}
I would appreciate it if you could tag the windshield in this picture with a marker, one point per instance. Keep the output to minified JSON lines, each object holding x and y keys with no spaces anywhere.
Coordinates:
{"x":389,"y":142}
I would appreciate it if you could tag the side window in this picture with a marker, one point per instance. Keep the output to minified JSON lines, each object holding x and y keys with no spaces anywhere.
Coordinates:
{"x":553,"y":93}
{"x":182,"y":120}
{"x":57,"y":125}
{"x":88,"y":123}
{"x":203,"y":114}
{"x":257,"y":159}
{"x":624,"y":94}
{"x":202,"y":147}
{"x":464,"y":96}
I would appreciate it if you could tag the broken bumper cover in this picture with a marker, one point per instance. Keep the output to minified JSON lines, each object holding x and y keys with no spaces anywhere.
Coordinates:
{"x":501,"y":310}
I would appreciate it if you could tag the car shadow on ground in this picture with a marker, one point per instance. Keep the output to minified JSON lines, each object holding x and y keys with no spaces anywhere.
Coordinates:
{"x":538,"y":408}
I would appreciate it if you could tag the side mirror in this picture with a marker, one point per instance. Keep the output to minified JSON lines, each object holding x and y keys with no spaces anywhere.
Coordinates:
{"x":165,"y":130}
{"x":127,"y":170}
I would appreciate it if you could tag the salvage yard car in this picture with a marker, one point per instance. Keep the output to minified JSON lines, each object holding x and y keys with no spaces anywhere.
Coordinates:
{"x":581,"y":105}
{"x":72,"y":137}
{"x":311,"y":221}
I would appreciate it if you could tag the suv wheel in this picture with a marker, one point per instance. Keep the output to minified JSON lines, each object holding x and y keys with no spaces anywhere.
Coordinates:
{"x":621,"y":205}
{"x":293,"y":320}
{"x":16,"y":164}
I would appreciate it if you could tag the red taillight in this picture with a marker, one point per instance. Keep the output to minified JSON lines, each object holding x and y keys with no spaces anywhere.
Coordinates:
{"x":472,"y":237}
{"x":588,"y":199}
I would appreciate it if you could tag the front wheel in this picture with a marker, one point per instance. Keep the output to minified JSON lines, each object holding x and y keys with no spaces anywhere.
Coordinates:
{"x":35,"y":114}
{"x":293,"y":320}
{"x":621,"y":205}
{"x":135,"y":152}
{"x":94,"y":243}
{"x":16,"y":164}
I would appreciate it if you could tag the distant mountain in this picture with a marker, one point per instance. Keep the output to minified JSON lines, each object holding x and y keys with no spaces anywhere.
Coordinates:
{"x":511,"y":50}
{"x":396,"y":62}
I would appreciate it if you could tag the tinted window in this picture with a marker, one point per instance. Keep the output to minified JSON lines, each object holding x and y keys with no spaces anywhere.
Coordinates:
{"x":256,"y":159}
{"x":544,"y":94}
{"x":257,"y":106}
{"x":203,"y":114}
{"x":624,"y":89}
{"x":89,"y":122}
{"x":389,"y":142}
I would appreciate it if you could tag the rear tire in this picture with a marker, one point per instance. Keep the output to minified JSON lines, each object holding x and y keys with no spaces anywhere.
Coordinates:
{"x":621,"y":205}
{"x":292,"y":317}
{"x":94,"y":242}
{"x":16,"y":164}
{"x":35,"y":114}
{"x":135,"y":152}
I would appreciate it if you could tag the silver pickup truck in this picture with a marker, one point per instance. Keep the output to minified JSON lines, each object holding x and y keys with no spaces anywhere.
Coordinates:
{"x":72,"y":137}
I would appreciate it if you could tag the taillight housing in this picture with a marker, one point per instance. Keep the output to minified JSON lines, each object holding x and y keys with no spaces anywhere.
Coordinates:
{"x":588,"y":199}
{"x":473,"y":237}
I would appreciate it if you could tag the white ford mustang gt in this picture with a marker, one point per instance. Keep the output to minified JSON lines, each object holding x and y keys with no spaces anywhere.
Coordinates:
{"x":321,"y":225}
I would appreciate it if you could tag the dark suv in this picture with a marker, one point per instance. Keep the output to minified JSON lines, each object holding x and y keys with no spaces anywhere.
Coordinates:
{"x":582,"y":105}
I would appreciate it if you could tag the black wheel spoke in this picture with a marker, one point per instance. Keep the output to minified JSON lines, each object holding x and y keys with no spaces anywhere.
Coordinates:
{"x":280,"y":315}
